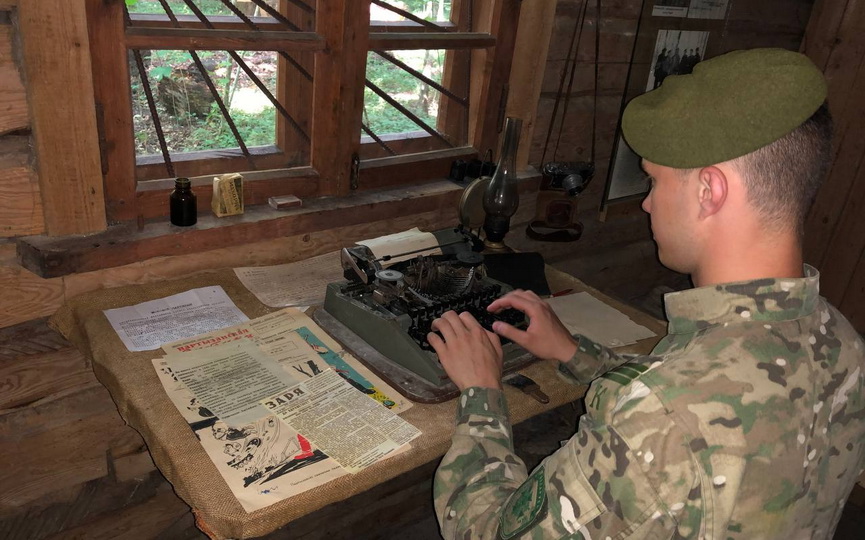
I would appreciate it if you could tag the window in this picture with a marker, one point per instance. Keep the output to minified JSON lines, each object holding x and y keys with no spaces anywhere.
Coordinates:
{"x":303,"y":97}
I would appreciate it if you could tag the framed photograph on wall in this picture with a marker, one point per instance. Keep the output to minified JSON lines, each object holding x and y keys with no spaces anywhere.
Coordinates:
{"x":675,"y":52}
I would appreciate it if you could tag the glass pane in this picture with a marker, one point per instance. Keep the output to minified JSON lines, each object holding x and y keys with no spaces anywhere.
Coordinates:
{"x":207,"y":7}
{"x":190,"y":117}
{"x":429,"y":10}
{"x":411,"y":92}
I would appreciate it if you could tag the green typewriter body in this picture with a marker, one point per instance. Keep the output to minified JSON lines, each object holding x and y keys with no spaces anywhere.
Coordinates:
{"x":391,"y":309}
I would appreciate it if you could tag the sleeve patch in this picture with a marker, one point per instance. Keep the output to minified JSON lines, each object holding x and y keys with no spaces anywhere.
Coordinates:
{"x":525,"y":507}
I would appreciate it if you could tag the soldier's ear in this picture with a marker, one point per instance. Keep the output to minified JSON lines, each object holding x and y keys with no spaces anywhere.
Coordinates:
{"x":711,"y":191}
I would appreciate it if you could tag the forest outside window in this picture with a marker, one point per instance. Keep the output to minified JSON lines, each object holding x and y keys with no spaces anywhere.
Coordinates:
{"x":302,"y":97}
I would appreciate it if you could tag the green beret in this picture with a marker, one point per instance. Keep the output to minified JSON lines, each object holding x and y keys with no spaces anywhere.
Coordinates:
{"x":729,"y":106}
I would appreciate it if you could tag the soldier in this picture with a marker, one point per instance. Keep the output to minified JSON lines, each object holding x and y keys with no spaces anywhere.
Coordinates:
{"x":746,"y":421}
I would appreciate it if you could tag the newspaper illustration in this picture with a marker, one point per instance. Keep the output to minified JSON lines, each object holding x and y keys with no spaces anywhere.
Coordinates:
{"x":265,"y":460}
{"x":351,"y":429}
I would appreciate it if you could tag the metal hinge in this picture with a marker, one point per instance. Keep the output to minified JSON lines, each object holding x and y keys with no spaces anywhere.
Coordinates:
{"x":355,"y":171}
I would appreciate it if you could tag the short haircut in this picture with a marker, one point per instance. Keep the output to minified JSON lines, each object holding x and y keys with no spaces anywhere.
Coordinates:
{"x":782,"y":178}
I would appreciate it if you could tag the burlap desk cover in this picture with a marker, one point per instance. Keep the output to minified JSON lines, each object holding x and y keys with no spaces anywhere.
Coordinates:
{"x":144,"y":405}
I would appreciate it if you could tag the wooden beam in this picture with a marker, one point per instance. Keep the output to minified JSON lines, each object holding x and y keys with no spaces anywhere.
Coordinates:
{"x":57,"y":63}
{"x":13,"y":100}
{"x":338,"y":96}
{"x":487,"y":101}
{"x":8,"y":5}
{"x":527,"y":71}
{"x":221,"y":40}
{"x":125,"y":244}
{"x":110,"y":64}
{"x":430,"y":40}
{"x":294,"y":89}
{"x":20,"y":203}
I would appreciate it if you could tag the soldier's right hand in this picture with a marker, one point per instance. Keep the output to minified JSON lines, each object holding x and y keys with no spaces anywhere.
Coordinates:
{"x":546,"y":337}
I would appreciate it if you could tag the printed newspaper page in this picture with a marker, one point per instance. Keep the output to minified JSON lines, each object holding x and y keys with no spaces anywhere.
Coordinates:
{"x":146,"y":326}
{"x":230,"y":379}
{"x":352,"y":429}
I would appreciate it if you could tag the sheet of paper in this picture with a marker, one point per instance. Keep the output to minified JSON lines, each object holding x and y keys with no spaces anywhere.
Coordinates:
{"x":299,"y":283}
{"x":403,"y":242}
{"x":707,"y":9}
{"x":584,"y":314}
{"x":352,"y":429}
{"x":229,"y":380}
{"x":146,"y":326}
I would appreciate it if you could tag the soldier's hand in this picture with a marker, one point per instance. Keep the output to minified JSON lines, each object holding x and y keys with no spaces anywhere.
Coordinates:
{"x":546,"y":337}
{"x":470,"y":354}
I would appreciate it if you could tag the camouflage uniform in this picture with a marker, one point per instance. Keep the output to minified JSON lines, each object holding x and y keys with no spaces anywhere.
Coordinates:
{"x":745,"y":422}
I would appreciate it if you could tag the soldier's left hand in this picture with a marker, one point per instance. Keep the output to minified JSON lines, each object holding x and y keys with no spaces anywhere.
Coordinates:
{"x":470,"y":354}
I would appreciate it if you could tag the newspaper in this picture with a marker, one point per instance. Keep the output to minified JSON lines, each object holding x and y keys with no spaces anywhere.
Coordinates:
{"x":265,"y":460}
{"x":351,"y":428}
{"x":146,"y":326}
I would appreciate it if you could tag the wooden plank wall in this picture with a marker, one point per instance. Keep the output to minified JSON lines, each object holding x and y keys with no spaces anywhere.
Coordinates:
{"x":768,"y":23}
{"x":835,"y":231}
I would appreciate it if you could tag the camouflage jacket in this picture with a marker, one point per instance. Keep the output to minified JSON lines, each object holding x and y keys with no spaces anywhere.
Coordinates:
{"x":745,"y":422}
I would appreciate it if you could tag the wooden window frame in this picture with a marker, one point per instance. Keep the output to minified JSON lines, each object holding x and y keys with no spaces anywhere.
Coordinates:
{"x":340,"y":42}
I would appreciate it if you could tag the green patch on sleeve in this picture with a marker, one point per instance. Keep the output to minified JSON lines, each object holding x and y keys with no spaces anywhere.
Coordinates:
{"x":525,"y":507}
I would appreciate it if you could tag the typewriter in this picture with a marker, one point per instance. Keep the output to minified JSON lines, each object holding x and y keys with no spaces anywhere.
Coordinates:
{"x":391,"y":308}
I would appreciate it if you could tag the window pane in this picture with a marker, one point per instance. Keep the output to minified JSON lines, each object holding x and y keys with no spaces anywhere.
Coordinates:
{"x":209,"y":8}
{"x":415,"y":95}
{"x":189,"y":115}
{"x":430,"y":10}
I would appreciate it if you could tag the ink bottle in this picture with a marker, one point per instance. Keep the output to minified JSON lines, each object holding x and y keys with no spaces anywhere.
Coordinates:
{"x":182,"y":204}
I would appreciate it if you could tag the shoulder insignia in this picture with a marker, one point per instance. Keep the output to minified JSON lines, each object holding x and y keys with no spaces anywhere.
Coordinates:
{"x":625,"y":373}
{"x":526,"y":505}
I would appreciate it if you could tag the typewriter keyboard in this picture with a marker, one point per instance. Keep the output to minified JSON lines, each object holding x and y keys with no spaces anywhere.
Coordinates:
{"x":475,"y":303}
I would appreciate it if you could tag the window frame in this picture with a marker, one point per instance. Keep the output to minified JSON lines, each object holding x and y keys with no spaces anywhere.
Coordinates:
{"x":344,"y":37}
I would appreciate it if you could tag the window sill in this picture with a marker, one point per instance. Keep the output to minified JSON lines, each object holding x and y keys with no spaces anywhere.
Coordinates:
{"x":51,"y":257}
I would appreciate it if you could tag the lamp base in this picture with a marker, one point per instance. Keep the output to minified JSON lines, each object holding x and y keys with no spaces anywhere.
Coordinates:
{"x":490,"y":245}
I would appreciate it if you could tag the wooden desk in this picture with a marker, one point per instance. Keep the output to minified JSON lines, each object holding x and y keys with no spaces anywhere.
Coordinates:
{"x":142,"y":402}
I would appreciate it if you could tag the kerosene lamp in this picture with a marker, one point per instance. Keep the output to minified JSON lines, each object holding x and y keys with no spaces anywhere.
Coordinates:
{"x":501,"y":197}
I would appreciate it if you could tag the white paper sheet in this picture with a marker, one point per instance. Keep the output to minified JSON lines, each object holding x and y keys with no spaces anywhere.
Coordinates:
{"x":584,"y":314}
{"x":146,"y":326}
{"x":403,"y":242}
{"x":300,"y":283}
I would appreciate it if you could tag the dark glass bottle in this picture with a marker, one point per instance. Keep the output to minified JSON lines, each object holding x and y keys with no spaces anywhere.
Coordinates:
{"x":182,"y":203}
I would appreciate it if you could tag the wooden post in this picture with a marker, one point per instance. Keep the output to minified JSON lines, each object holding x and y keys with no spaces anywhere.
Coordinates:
{"x":113,"y":107}
{"x":499,"y":18}
{"x":338,"y":93}
{"x":527,"y":72}
{"x":60,"y":91}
